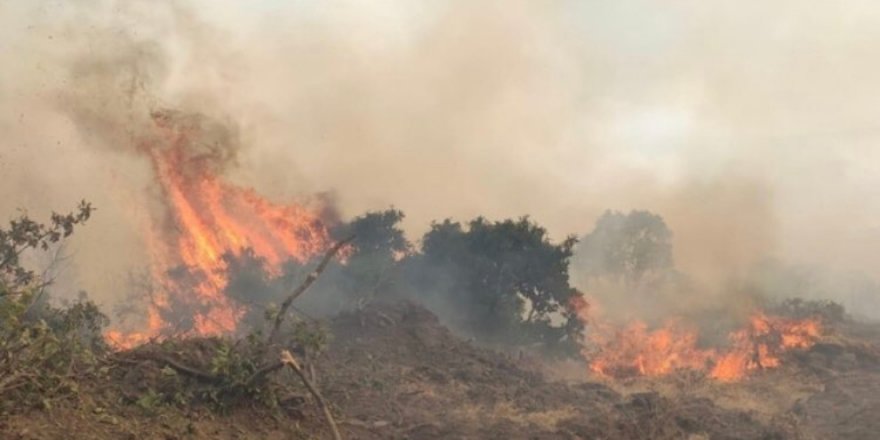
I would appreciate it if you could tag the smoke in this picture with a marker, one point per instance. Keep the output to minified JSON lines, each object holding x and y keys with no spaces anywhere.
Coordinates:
{"x":749,"y":129}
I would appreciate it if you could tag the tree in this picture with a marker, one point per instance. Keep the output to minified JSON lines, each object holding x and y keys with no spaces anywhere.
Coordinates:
{"x":506,"y":279}
{"x":626,"y":247}
{"x":377,"y":235}
{"x":251,"y":284}
{"x":25,"y":234}
{"x":371,"y":263}
{"x":368,"y":268}
{"x":379,"y":245}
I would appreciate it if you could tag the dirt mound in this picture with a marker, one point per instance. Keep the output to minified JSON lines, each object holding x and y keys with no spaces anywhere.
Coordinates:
{"x":393,"y":371}
{"x":396,"y":372}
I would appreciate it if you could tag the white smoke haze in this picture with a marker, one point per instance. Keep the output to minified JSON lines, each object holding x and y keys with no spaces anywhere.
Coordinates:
{"x":750,"y":128}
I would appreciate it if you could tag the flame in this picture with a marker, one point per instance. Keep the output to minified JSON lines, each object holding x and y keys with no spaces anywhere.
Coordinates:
{"x":762,"y":343}
{"x":209,"y":218}
{"x":635,"y":350}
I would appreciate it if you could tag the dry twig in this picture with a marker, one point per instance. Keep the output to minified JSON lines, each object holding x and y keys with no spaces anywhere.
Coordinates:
{"x":288,"y":359}
{"x":310,"y":279}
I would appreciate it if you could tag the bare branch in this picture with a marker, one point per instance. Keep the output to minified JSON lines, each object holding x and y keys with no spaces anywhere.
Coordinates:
{"x":288,"y":360}
{"x":310,"y":279}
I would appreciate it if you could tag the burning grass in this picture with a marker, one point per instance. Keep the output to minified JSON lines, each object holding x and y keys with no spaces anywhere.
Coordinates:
{"x":635,"y":350}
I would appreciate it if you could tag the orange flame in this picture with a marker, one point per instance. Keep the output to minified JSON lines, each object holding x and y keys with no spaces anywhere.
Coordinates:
{"x":209,"y":218}
{"x":634,"y":350}
{"x":762,"y":343}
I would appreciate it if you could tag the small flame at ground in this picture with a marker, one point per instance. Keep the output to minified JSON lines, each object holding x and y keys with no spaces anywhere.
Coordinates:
{"x":761,"y":345}
{"x":634,"y":350}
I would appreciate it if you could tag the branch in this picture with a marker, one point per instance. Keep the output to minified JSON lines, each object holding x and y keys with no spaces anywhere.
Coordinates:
{"x":288,"y":360}
{"x":263,"y":371}
{"x":189,"y":370}
{"x":179,"y":367}
{"x":310,"y":279}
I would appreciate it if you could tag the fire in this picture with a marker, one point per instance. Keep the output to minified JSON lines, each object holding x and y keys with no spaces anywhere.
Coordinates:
{"x":208,"y":218}
{"x":635,"y":350}
{"x":762,"y":343}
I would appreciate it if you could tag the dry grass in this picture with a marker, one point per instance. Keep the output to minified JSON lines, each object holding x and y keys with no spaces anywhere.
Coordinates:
{"x":506,"y":412}
{"x":768,"y":395}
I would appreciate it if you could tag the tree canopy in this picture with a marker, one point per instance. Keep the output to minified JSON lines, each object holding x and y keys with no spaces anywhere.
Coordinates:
{"x":626,"y":247}
{"x":507,"y":278}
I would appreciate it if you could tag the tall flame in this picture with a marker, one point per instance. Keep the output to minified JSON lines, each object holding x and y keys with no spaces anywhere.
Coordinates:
{"x":634,"y":350}
{"x":208,"y":218}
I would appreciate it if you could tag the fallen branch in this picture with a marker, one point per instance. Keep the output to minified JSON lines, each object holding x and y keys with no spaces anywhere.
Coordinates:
{"x":288,"y":359}
{"x":305,"y":285}
{"x":263,"y":371}
{"x":177,"y":366}
{"x":181,"y":368}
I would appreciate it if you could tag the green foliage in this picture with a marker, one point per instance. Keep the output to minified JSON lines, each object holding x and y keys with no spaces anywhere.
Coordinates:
{"x":506,"y":280}
{"x":234,"y":369}
{"x":370,"y":267}
{"x":378,"y":246}
{"x":151,"y":400}
{"x":377,"y":235}
{"x":310,"y":337}
{"x":802,"y":291}
{"x":828,"y":311}
{"x":44,"y":350}
{"x":626,"y":247}
{"x":503,"y":281}
{"x":229,"y":372}
{"x":24,"y":234}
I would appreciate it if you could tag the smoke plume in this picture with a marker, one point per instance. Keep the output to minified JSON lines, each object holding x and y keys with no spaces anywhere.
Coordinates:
{"x":749,"y":129}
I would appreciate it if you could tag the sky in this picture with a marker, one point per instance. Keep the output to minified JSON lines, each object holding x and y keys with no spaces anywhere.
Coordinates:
{"x":750,"y":126}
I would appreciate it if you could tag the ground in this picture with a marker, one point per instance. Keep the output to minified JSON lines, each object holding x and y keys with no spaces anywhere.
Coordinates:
{"x":394,"y":372}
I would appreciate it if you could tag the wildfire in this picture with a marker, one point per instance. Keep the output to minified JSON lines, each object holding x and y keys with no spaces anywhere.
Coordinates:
{"x":634,"y":350}
{"x":208,"y":218}
{"x":762,"y":344}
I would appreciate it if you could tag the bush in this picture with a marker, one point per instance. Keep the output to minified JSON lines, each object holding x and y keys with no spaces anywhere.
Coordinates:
{"x":506,"y":281}
{"x":44,"y":350}
{"x":828,"y":311}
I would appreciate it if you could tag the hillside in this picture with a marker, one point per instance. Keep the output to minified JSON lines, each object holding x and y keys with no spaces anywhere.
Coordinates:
{"x":393,"y":371}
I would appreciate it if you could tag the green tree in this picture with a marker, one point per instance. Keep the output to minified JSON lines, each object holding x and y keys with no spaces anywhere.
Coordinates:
{"x":506,"y":280}
{"x":370,"y":267}
{"x":379,"y":245}
{"x":626,"y":247}
{"x":24,"y":234}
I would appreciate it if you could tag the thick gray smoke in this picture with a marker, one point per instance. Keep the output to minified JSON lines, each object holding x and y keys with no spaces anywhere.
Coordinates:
{"x":750,"y":129}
